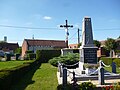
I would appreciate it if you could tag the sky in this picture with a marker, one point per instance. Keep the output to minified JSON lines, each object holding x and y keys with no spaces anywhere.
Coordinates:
{"x":42,"y":19}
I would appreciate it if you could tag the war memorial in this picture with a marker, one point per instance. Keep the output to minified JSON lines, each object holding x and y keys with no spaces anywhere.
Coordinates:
{"x":89,"y":68}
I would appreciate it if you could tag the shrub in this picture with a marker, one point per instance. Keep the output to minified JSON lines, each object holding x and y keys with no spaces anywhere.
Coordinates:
{"x":87,"y":86}
{"x":117,"y":86}
{"x":7,"y":57}
{"x":17,"y":56}
{"x":68,"y":87}
{"x":26,"y":57}
{"x":68,"y":59}
{"x":45,"y":55}
{"x":117,"y":51}
{"x":107,"y":61}
{"x":86,"y":65}
{"x":29,"y":51}
{"x":31,"y":56}
{"x":117,"y":61}
{"x":82,"y":86}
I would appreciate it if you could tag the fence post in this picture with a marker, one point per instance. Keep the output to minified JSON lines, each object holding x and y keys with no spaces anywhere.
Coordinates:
{"x":101,"y":74}
{"x":64,"y":76}
{"x":113,"y":67}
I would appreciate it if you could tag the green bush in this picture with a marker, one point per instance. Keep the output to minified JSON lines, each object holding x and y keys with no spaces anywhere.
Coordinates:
{"x":117,"y":86}
{"x":68,"y":87}
{"x":117,"y":61}
{"x":87,"y":86}
{"x":107,"y":61}
{"x":117,"y":51}
{"x":26,"y":57}
{"x":29,"y":51}
{"x":7,"y":57}
{"x":31,"y":56}
{"x":45,"y":55}
{"x":82,"y":86}
{"x":68,"y":59}
{"x":17,"y":56}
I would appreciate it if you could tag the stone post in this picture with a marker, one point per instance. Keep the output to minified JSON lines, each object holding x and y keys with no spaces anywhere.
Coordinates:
{"x":64,"y":81}
{"x":113,"y":67}
{"x":101,"y":74}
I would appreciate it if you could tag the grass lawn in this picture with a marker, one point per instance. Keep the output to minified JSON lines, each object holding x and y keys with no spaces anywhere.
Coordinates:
{"x":110,"y":69}
{"x":11,"y":64}
{"x":44,"y":78}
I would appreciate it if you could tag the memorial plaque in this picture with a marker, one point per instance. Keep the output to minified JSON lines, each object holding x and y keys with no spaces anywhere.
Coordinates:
{"x":90,"y":55}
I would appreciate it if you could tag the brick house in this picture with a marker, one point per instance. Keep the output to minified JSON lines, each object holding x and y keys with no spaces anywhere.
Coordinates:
{"x":9,"y":47}
{"x":34,"y":45}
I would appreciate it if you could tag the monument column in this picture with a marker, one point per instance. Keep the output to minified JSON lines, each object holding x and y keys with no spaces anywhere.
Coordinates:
{"x":88,"y":52}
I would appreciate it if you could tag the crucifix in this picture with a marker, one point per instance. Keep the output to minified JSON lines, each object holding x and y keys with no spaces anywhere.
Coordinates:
{"x":66,"y":26}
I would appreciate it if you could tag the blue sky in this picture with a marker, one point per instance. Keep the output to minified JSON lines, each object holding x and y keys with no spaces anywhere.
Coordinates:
{"x":105,"y":15}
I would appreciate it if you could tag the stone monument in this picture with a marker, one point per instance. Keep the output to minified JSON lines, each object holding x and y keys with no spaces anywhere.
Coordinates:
{"x":88,"y":51}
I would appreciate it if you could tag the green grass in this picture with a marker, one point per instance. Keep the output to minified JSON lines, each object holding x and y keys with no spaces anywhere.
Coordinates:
{"x":110,"y":69}
{"x":44,"y":78}
{"x":11,"y":64}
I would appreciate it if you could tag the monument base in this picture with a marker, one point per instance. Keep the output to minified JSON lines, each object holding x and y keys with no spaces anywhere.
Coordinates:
{"x":88,"y":55}
{"x":86,"y":68}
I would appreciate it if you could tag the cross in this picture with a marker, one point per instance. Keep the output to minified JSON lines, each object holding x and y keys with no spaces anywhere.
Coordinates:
{"x":66,"y":26}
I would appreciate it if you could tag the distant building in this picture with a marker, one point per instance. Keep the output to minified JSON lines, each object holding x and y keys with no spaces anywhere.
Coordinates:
{"x":5,"y":38}
{"x":103,"y":52}
{"x":73,"y":46}
{"x":34,"y":45}
{"x":8,"y":47}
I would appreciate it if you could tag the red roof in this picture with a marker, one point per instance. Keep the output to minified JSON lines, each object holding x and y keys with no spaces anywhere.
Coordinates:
{"x":52,"y":43}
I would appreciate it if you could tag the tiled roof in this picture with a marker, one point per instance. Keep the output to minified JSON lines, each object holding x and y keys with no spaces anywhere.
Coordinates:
{"x":52,"y":43}
{"x":10,"y":46}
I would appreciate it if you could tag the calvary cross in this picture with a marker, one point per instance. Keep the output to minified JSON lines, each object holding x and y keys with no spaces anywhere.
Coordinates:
{"x":66,"y":26}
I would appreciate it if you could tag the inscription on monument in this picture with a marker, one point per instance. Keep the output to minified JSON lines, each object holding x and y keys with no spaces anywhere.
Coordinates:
{"x":90,"y":55}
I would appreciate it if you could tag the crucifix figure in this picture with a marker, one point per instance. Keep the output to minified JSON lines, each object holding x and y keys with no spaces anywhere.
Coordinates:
{"x":66,"y":26}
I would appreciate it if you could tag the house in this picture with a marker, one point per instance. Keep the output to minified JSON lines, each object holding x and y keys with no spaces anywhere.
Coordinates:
{"x":35,"y":44}
{"x":8,"y":47}
{"x":73,"y":46}
{"x":103,"y":52}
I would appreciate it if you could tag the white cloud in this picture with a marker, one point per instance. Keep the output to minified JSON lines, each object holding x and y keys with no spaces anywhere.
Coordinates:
{"x":47,"y":17}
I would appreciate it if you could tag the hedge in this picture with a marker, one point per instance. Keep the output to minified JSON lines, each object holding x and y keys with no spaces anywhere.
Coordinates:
{"x":45,"y":55}
{"x":8,"y":77}
{"x":31,"y":56}
{"x":108,"y":61}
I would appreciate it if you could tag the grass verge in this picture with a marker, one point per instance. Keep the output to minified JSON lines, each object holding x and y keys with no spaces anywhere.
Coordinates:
{"x":11,"y":64}
{"x":44,"y":78}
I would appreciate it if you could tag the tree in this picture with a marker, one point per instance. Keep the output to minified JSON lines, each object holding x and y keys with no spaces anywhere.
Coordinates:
{"x":118,"y":37}
{"x":18,"y":50}
{"x":97,"y":43}
{"x":110,"y":45}
{"x":79,"y":45}
{"x":3,"y":42}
